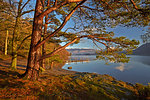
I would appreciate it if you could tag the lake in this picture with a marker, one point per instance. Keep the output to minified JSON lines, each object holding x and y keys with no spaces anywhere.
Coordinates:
{"x":136,"y":71}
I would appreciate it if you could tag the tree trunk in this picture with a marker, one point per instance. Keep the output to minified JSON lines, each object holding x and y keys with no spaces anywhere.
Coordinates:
{"x":52,"y":65}
{"x":32,"y":70}
{"x":44,"y":36}
{"x":6,"y":40}
{"x":14,"y":44}
{"x":33,"y":65}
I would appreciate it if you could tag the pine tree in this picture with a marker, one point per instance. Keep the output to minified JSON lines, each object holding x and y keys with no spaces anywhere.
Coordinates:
{"x":90,"y":17}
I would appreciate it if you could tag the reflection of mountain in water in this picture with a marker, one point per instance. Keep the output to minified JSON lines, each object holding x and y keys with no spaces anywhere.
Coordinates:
{"x":82,"y":58}
{"x":145,"y":62}
{"x":142,"y":59}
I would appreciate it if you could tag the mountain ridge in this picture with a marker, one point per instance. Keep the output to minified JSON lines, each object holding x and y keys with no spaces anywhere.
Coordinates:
{"x":143,"y":50}
{"x":78,"y":51}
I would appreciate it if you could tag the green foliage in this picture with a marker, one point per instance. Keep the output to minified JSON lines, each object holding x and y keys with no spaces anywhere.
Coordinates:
{"x":93,"y":17}
{"x":55,"y":58}
{"x":144,"y":91}
{"x":89,"y":20}
{"x":116,"y":48}
{"x":146,"y":37}
{"x":19,"y":27}
{"x":42,"y":69}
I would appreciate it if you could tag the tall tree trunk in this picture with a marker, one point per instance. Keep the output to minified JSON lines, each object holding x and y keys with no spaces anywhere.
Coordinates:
{"x":51,"y":66}
{"x":44,"y":36}
{"x":6,"y":42}
{"x":14,"y":44}
{"x":33,"y":65}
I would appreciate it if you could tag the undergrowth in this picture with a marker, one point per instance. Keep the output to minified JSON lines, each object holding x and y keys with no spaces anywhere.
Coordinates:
{"x":82,"y":86}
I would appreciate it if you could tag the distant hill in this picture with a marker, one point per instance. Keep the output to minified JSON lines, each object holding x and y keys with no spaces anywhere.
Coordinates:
{"x":82,"y":51}
{"x":143,"y":50}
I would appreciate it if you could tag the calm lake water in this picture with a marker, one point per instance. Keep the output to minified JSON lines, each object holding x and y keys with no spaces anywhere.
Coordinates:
{"x":136,"y":71}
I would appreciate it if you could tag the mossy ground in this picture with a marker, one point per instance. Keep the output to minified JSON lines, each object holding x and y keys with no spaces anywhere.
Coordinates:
{"x":74,"y":86}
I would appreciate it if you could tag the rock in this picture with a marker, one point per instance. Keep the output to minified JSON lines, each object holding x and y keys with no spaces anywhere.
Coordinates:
{"x":69,"y":67}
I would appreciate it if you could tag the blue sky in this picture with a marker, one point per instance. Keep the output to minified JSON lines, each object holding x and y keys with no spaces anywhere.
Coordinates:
{"x":129,"y":32}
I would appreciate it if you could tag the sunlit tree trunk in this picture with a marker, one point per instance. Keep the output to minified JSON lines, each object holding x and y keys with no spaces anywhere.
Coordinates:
{"x":20,"y":12}
{"x":14,"y":44}
{"x":33,"y":65}
{"x":51,"y":66}
{"x":44,"y":36}
{"x":6,"y":42}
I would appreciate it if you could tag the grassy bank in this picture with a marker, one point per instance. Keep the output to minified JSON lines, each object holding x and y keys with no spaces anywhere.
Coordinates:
{"x":78,"y":86}
{"x":59,"y":84}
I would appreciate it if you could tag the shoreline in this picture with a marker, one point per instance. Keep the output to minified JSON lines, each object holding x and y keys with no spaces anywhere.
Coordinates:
{"x":60,"y":83}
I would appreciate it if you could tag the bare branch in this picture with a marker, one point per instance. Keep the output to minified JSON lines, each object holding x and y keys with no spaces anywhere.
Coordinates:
{"x":23,"y":42}
{"x":109,"y":6}
{"x":100,"y":10}
{"x":73,"y":41}
{"x":25,"y":5}
{"x":25,"y":12}
{"x":124,"y":4}
{"x":69,"y":29}
{"x":84,"y":12}
{"x":97,"y":45}
{"x":57,"y":50}
{"x":127,"y":7}
{"x":61,"y":26}
{"x":49,"y":22}
{"x":49,"y":10}
{"x":55,"y":4}
{"x":99,"y":41}
{"x":132,"y":1}
{"x":74,"y":1}
{"x":58,"y":6}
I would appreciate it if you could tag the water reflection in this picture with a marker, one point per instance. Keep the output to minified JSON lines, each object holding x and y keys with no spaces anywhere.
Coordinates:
{"x":136,"y":71}
{"x":122,"y":67}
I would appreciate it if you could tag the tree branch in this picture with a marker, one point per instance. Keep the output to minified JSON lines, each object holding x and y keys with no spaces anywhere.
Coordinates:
{"x":49,"y":10}
{"x":61,"y":26}
{"x":74,"y":1}
{"x":57,"y":50}
{"x":58,"y":6}
{"x":23,"y":42}
{"x":109,"y":6}
{"x":97,"y":45}
{"x":99,"y":41}
{"x":73,"y":41}
{"x":134,"y":4}
{"x":55,"y":4}
{"x":84,"y":12}
{"x":27,"y":12}
{"x":25,"y":5}
{"x":100,"y":10}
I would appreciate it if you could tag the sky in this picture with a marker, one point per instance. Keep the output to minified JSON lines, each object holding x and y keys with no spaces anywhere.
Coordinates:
{"x":129,"y":32}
